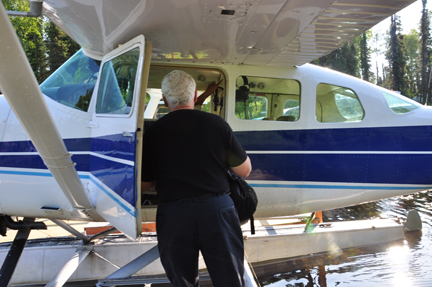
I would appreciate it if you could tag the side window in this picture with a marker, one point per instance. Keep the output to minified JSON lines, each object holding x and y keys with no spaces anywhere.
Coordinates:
{"x":399,"y":104}
{"x":73,"y":83}
{"x":267,"y":99}
{"x":292,"y":109}
{"x":337,"y":104}
{"x":117,"y":83}
{"x":253,"y":108}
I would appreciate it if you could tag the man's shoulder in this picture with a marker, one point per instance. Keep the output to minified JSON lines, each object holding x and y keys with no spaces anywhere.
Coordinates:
{"x":199,"y":115}
{"x":208,"y":116}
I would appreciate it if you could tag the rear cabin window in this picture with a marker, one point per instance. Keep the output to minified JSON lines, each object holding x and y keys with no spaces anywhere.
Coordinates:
{"x":398,"y":103}
{"x":337,"y":104}
{"x":267,"y":99}
{"x":73,"y":83}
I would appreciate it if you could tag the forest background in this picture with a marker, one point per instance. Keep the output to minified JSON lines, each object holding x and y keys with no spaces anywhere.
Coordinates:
{"x":406,"y":65}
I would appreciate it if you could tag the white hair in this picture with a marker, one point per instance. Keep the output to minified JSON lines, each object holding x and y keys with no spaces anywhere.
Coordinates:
{"x":178,"y":88}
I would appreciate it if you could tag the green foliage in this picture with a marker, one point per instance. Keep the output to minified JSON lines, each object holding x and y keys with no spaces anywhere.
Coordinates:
{"x":425,"y":52}
{"x":364,"y":58}
{"x":343,"y":59}
{"x":411,"y":45}
{"x":60,"y":46}
{"x":254,"y":108}
{"x":30,"y":33}
{"x":396,"y":57}
{"x":45,"y":56}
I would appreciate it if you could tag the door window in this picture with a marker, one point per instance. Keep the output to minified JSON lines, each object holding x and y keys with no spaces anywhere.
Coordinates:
{"x":117,"y":84}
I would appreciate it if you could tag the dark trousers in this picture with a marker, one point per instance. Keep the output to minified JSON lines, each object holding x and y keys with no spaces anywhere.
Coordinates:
{"x":209,"y":224}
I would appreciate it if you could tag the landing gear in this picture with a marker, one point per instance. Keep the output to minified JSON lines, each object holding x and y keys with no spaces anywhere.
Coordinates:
{"x":24,"y":227}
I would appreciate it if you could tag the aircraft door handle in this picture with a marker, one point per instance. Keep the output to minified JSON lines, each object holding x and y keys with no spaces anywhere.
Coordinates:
{"x":128,"y":134}
{"x":93,"y":124}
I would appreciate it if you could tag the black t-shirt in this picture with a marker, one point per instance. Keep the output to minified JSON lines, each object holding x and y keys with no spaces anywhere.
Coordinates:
{"x":188,"y":153}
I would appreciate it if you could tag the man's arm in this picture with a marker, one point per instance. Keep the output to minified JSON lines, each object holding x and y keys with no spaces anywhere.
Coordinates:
{"x":244,"y":169}
{"x":210,"y":90}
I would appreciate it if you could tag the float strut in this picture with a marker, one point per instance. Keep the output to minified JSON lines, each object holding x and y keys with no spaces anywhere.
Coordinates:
{"x":309,"y":222}
{"x":17,"y":247}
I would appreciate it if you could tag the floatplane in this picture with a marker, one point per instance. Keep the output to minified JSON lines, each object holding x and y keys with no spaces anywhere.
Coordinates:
{"x":70,"y":149}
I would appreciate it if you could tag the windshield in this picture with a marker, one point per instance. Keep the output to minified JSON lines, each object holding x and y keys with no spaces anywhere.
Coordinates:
{"x":72,"y":84}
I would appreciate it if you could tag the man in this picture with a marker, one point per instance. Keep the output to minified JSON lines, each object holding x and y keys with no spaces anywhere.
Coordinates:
{"x":186,"y":155}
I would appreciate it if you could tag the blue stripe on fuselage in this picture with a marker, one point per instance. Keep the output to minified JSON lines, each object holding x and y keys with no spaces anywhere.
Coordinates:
{"x":409,"y":138}
{"x":396,"y":168}
{"x":114,"y":174}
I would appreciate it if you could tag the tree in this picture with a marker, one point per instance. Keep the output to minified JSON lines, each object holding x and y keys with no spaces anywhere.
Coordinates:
{"x":365,"y":58}
{"x":411,"y":45}
{"x":343,"y":59}
{"x":60,"y":46}
{"x":376,"y":40}
{"x":396,"y":57}
{"x":425,"y":43}
{"x":30,"y":33}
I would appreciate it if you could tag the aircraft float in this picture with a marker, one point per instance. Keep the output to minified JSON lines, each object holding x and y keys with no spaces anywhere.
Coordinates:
{"x":70,"y":149}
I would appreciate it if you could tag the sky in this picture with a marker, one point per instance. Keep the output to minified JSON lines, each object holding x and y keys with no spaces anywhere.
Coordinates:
{"x":410,"y":19}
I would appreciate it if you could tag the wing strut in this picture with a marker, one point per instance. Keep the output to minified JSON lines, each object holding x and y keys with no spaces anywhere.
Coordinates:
{"x":19,"y":85}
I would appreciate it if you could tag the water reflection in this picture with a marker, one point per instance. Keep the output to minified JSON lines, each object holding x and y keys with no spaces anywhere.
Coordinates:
{"x":403,"y":263}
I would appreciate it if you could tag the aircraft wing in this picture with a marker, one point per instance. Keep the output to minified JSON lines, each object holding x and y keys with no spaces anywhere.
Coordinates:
{"x":256,"y":32}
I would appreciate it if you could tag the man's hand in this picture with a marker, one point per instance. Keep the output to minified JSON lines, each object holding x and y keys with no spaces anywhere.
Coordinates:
{"x":210,"y":90}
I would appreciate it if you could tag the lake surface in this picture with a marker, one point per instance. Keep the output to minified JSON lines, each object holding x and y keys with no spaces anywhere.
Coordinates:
{"x":404,"y":263}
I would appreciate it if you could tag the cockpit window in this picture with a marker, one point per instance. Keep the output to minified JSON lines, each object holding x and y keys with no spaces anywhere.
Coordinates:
{"x":398,"y":103}
{"x":267,"y":99}
{"x":73,"y":83}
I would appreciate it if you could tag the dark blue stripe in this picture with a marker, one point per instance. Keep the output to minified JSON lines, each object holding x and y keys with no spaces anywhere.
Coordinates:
{"x":356,"y":168}
{"x":36,"y":162}
{"x":19,"y":146}
{"x":117,"y":176}
{"x":116,"y":146}
{"x":78,"y":144}
{"x":416,"y":138}
{"x":326,"y":186}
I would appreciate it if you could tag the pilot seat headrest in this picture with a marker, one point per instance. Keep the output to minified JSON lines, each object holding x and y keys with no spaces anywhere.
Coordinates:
{"x":242,"y":93}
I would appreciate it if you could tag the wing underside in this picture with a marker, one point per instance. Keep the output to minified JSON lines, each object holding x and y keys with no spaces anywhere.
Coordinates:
{"x":257,"y":32}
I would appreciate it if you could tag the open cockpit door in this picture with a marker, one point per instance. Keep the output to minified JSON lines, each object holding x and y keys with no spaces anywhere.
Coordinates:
{"x":116,"y":136}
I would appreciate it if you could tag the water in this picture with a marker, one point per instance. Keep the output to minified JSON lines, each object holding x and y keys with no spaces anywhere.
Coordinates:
{"x":406,"y":263}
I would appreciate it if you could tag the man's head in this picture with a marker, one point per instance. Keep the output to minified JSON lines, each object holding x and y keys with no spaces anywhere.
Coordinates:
{"x":178,"y":88}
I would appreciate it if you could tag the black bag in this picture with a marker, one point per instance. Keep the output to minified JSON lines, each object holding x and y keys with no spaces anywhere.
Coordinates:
{"x":244,"y":198}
